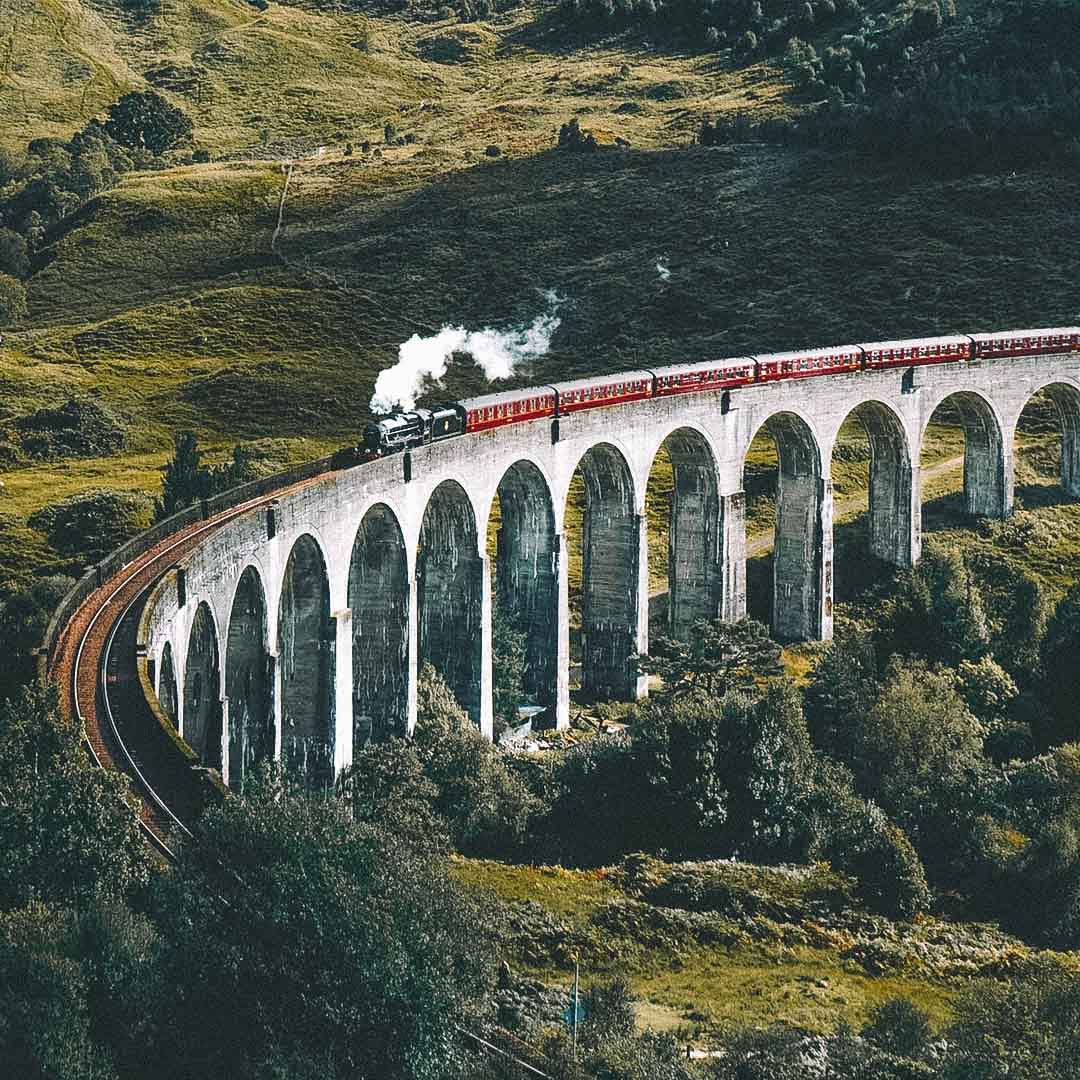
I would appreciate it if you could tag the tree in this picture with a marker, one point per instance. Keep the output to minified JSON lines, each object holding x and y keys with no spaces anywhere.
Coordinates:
{"x":926,"y":19}
{"x":12,"y":300}
{"x":919,"y":754}
{"x":67,"y":829}
{"x":14,"y":259}
{"x":24,"y":615}
{"x":485,"y":805}
{"x":144,"y":120}
{"x":1027,"y":1028}
{"x":299,"y":943}
{"x":89,"y":525}
{"x":842,"y":690}
{"x":734,"y":772}
{"x":717,"y":656}
{"x":507,"y":669}
{"x":1061,"y":669}
{"x":184,"y":480}
{"x":937,"y":612}
{"x":45,"y":1014}
{"x":387,"y":786}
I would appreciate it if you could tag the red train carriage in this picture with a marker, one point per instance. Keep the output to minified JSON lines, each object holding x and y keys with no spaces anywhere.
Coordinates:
{"x":1027,"y":342}
{"x":913,"y":351}
{"x":510,"y":407}
{"x":805,"y":362}
{"x":604,"y":390}
{"x":696,"y":378}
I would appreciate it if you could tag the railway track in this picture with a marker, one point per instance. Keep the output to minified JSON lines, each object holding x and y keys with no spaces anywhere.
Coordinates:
{"x":95,"y":664}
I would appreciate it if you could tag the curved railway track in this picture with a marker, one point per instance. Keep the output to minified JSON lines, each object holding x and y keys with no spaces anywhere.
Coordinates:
{"x":95,"y":664}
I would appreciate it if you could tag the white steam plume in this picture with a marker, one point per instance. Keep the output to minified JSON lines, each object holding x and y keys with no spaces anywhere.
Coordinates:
{"x":422,"y":360}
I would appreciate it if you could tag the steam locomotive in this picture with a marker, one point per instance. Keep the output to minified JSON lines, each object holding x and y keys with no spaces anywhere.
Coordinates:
{"x":403,"y":430}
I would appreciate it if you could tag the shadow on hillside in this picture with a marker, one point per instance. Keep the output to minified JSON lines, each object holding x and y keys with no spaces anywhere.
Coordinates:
{"x":1034,"y":496}
{"x":555,"y":32}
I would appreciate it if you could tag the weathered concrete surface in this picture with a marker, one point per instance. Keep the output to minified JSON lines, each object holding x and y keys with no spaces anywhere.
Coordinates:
{"x":307,"y":639}
{"x":202,"y":714}
{"x":527,"y":575}
{"x":248,"y":685}
{"x":380,"y":602}
{"x":335,"y":651}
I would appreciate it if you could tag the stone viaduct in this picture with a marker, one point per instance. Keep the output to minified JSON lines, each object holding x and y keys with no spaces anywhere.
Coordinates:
{"x":297,"y":632}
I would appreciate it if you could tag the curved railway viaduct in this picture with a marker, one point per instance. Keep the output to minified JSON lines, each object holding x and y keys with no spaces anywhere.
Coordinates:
{"x":292,"y":624}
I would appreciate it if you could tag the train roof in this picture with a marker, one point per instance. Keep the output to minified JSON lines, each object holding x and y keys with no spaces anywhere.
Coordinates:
{"x":800,"y":354}
{"x":602,"y":380}
{"x":916,"y":343}
{"x":506,"y":397}
{"x":709,"y":365}
{"x":1008,"y":335}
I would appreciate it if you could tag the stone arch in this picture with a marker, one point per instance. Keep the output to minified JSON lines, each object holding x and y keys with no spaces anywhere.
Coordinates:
{"x":1066,"y":400}
{"x":306,"y":642}
{"x":694,"y":571}
{"x":166,"y":686}
{"x":248,"y":680}
{"x":379,"y":600}
{"x":610,"y":582}
{"x":987,"y":484}
{"x":894,"y":526}
{"x":449,"y":587}
{"x":802,"y":546}
{"x":527,"y":575}
{"x":202,"y":689}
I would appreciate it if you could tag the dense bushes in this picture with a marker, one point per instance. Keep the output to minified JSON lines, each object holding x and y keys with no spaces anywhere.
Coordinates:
{"x":446,"y":782}
{"x":55,"y":178}
{"x":185,"y":479}
{"x":24,"y":615}
{"x":66,"y":829}
{"x":89,"y":525}
{"x":1028,"y":1029}
{"x":1004,"y":96}
{"x":77,"y":428}
{"x":12,"y":300}
{"x":288,"y":941}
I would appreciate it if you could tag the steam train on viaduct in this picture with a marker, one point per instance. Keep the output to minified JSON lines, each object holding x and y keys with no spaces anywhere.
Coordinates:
{"x":403,"y":430}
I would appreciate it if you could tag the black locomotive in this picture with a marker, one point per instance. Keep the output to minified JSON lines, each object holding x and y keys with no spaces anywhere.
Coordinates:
{"x":400,"y":431}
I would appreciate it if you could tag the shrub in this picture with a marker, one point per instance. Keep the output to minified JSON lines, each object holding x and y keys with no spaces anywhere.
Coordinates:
{"x":66,"y":829}
{"x":12,"y":300}
{"x":78,"y":428}
{"x":89,"y":525}
{"x":1061,"y":667}
{"x":144,"y":120}
{"x":301,"y":943}
{"x":609,"y":1010}
{"x":14,"y":260}
{"x":900,"y":1027}
{"x":1028,"y":1027}
{"x":572,"y":137}
{"x":485,"y":804}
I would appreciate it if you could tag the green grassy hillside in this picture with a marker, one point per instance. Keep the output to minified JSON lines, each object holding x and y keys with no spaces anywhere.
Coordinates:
{"x":169,"y":298}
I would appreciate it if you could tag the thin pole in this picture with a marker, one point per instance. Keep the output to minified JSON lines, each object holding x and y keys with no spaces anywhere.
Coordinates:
{"x":575,"y":1008}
